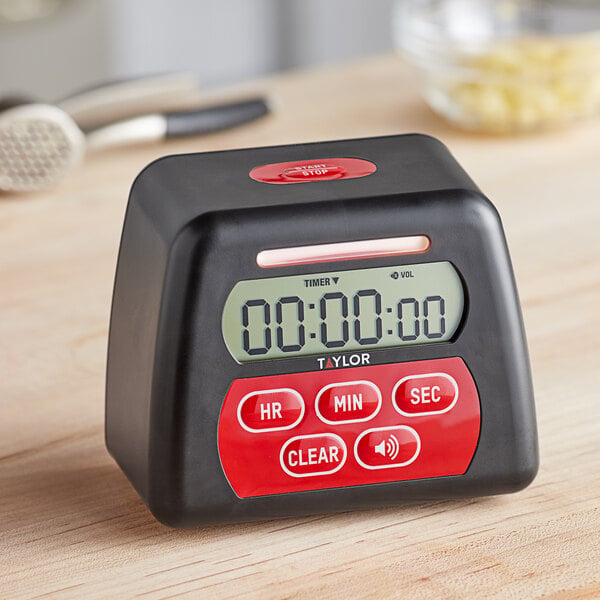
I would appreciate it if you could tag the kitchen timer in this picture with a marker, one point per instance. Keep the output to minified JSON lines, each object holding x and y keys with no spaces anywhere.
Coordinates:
{"x":316,"y":327}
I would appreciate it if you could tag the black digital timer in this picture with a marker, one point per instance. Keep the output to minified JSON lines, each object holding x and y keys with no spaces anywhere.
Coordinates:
{"x":311,"y":328}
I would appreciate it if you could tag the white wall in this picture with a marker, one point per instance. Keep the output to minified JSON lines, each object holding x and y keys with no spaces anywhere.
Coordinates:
{"x":51,"y":57}
{"x":221,"y":40}
{"x":328,"y":31}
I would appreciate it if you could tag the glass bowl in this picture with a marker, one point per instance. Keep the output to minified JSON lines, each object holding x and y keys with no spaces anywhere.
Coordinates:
{"x":504,"y":66}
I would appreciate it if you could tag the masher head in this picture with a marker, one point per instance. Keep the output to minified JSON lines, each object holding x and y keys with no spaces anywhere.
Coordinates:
{"x":39,"y":145}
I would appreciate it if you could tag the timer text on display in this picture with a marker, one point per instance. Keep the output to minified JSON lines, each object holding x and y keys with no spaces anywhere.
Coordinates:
{"x":316,"y":327}
{"x":342,"y":310}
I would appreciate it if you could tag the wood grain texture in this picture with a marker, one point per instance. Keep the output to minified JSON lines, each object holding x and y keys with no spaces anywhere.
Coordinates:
{"x":71,"y":526}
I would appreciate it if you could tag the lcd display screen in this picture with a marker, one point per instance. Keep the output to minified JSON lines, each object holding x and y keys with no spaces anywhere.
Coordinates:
{"x":342,"y":311}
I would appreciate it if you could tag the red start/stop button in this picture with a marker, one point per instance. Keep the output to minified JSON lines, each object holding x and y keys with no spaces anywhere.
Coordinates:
{"x":318,"y":169}
{"x":314,"y":171}
{"x":432,"y":393}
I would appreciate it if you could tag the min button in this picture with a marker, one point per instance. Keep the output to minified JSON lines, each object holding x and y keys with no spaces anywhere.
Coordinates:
{"x":348,"y":402}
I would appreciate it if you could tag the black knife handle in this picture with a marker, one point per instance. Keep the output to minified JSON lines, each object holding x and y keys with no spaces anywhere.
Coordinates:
{"x":214,"y":118}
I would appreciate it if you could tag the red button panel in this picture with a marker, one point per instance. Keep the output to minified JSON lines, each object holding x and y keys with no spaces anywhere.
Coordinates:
{"x":305,"y":171}
{"x":270,"y":410}
{"x":434,"y":393}
{"x":350,"y":402}
{"x":345,"y":427}
{"x":310,"y":455}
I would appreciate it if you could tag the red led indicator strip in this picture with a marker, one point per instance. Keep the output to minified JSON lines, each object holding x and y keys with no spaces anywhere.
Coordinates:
{"x":306,"y":255}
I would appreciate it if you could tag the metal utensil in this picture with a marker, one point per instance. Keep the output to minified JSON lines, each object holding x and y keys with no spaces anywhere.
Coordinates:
{"x":40,"y":143}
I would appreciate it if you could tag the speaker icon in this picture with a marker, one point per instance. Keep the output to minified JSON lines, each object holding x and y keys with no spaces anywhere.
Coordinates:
{"x":389,"y":447}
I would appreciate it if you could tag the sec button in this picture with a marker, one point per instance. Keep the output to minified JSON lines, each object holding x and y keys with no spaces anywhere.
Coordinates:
{"x":270,"y":410}
{"x":430,"y":394}
{"x":310,"y":455}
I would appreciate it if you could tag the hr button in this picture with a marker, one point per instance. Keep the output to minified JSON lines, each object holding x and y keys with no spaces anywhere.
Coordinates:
{"x":270,"y":410}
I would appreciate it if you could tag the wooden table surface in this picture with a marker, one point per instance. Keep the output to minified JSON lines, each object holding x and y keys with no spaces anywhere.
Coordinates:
{"x":71,"y":526}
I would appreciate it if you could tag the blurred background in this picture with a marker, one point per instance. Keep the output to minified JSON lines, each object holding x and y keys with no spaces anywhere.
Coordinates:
{"x":493,"y":66}
{"x":49,"y":48}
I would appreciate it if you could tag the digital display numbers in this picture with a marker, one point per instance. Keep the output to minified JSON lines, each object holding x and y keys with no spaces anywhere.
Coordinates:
{"x":342,"y":311}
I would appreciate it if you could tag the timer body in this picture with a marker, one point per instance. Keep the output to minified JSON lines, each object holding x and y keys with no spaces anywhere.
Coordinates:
{"x":313,"y":328}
